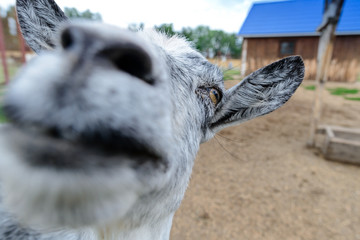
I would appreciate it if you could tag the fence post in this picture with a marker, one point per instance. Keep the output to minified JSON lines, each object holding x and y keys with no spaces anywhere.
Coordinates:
{"x":326,"y":46}
{"x":3,"y":53}
{"x":244,"y":57}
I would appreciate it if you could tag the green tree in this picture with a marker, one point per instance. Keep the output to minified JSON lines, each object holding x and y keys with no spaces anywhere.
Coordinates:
{"x":188,"y":33}
{"x":166,"y":28}
{"x":213,"y":42}
{"x":225,"y":44}
{"x":235,"y":45}
{"x":134,"y":27}
{"x":74,"y":13}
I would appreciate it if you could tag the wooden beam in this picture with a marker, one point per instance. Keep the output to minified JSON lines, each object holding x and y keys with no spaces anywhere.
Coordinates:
{"x":244,"y":57}
{"x":2,"y":52}
{"x":340,"y":143}
{"x":343,"y":150}
{"x":322,"y":129}
{"x":326,"y":45}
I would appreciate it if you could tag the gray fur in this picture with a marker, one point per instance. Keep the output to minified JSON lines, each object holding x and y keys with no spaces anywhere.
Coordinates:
{"x":260,"y":93}
{"x":98,"y":151}
{"x":38,"y":22}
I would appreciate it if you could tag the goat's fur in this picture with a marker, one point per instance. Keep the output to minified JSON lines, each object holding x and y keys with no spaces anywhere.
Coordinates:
{"x":106,"y":124}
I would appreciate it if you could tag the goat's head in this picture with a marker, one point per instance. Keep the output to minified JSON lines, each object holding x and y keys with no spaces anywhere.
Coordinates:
{"x":105,"y":127}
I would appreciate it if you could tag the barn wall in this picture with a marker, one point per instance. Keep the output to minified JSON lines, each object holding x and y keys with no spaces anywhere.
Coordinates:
{"x":345,"y":63}
{"x":260,"y":52}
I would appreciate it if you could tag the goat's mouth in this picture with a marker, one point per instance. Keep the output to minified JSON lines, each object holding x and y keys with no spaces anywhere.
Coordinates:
{"x":90,"y":150}
{"x":68,"y":182}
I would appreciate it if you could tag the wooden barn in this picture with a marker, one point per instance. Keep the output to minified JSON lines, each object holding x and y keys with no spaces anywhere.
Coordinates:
{"x":273,"y":30}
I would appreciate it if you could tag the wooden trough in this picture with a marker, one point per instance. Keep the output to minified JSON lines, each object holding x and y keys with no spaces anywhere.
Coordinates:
{"x":340,"y":143}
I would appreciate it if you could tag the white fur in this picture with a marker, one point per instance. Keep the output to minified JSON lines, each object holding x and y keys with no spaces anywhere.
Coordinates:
{"x":88,"y":192}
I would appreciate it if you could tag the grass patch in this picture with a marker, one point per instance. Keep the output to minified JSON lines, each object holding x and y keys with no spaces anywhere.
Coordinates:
{"x":310,"y":87}
{"x":231,"y":73}
{"x":2,"y":91}
{"x":2,"y":116}
{"x":342,"y":91}
{"x":353,"y":98}
{"x":12,"y":69}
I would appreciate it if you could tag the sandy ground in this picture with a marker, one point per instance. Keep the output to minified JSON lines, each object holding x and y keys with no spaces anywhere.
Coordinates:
{"x":259,"y":181}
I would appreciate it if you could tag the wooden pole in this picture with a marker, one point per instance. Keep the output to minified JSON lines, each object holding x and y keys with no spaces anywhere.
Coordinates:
{"x":2,"y":52}
{"x":326,"y":46}
{"x":244,"y":57}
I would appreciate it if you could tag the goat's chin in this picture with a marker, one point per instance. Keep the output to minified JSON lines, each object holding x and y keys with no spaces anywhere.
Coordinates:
{"x":56,"y":198}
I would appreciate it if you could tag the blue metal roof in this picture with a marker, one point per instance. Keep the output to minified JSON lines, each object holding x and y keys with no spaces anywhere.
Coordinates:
{"x":297,"y":18}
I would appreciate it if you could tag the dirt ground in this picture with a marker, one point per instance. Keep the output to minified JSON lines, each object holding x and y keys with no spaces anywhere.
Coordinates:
{"x":259,"y":181}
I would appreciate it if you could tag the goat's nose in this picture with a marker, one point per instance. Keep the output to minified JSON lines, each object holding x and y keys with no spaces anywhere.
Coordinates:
{"x":124,"y":55}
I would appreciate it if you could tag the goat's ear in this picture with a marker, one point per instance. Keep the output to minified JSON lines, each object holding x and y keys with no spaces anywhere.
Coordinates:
{"x":39,"y":20}
{"x":260,"y":93}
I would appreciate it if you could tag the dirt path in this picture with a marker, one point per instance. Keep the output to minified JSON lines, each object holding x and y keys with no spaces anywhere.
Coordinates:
{"x":259,"y":181}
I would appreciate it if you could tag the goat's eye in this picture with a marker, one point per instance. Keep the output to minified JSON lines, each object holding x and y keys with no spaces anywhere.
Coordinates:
{"x":215,"y":95}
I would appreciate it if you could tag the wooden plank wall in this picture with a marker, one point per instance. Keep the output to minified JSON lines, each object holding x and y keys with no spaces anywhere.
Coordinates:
{"x":345,"y":63}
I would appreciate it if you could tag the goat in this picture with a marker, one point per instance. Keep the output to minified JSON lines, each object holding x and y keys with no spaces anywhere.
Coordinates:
{"x":106,"y":124}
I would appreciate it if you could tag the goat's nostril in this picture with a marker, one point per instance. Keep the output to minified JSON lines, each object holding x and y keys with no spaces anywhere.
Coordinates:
{"x":67,"y":38}
{"x":73,"y":38}
{"x":131,"y":59}
{"x":125,"y":56}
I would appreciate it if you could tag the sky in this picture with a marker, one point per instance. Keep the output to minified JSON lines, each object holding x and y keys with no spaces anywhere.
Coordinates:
{"x":227,"y":15}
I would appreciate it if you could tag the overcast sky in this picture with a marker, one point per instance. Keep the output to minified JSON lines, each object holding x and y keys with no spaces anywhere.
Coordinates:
{"x":227,"y":15}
